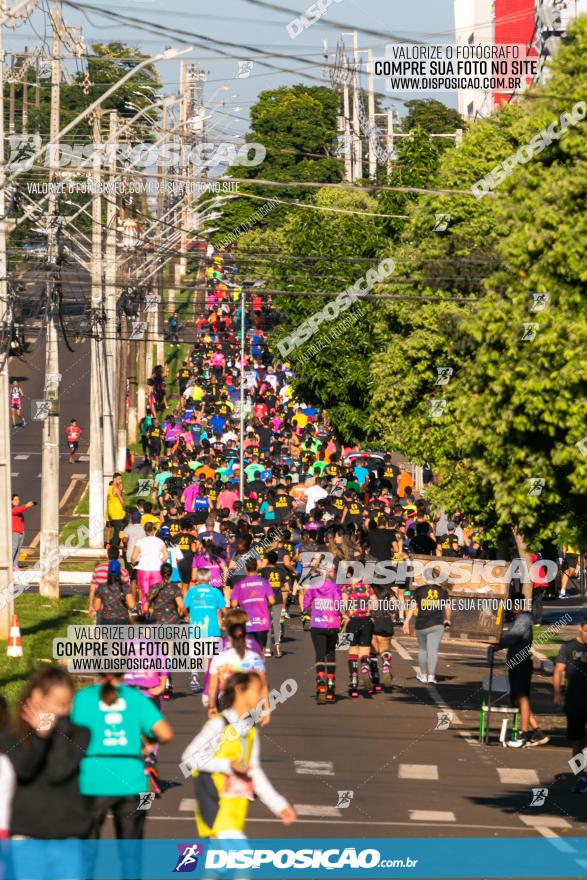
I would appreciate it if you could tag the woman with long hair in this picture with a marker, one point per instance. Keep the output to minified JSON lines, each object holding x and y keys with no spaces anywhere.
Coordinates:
{"x":45,"y":747}
{"x":210,"y":557}
{"x":114,"y":599}
{"x":237,"y":654}
{"x":226,"y":765}
{"x":123,"y":724}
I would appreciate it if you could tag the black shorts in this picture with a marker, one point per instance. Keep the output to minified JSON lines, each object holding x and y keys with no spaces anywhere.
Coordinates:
{"x":520,"y":678}
{"x":383,"y":626}
{"x":362,"y":631}
{"x":570,"y":561}
{"x":155,"y":447}
{"x":576,"y":725}
{"x":73,"y":445}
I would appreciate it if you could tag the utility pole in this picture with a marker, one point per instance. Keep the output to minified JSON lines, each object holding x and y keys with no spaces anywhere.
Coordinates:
{"x":371,"y":111}
{"x":348,"y":148}
{"x":6,"y":588}
{"x":96,"y":466}
{"x":390,"y":141}
{"x":357,"y":144}
{"x":25,"y":97}
{"x":49,"y":547}
{"x":109,"y":340}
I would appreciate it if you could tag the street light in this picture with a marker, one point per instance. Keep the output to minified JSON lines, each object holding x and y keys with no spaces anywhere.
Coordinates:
{"x":166,"y":55}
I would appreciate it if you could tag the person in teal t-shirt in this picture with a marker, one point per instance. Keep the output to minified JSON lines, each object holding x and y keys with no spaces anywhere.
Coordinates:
{"x":204,"y":602}
{"x":112,"y":772}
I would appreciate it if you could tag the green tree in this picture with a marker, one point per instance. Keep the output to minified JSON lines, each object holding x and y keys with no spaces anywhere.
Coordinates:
{"x":297,"y":127}
{"x":508,"y":445}
{"x":434,"y":117}
{"x":323,"y":251}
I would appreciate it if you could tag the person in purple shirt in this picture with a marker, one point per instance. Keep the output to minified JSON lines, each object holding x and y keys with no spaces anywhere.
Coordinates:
{"x":254,"y":595}
{"x":191,"y":492}
{"x":324,"y":601}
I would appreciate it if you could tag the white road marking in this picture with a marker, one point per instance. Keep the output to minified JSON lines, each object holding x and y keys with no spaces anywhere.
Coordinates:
{"x":431,"y":816}
{"x":78,"y":476}
{"x":314,"y":768}
{"x":370,"y":822}
{"x":418,"y":771}
{"x":187,"y":805}
{"x":316,"y":810}
{"x":21,"y":457}
{"x":68,"y":492}
{"x":543,"y":821}
{"x":13,"y":475}
{"x":401,"y":650}
{"x":511,"y":777}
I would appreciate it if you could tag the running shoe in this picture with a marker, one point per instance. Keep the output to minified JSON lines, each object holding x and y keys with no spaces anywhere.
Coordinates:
{"x":365,"y":682}
{"x":563,"y":596}
{"x":537,"y":738}
{"x":518,"y":743}
{"x":432,"y":679}
{"x":268,"y":652}
{"x":386,"y":678}
{"x":195,"y":684}
{"x":378,"y":688}
{"x":422,"y":678}
{"x":580,"y":786}
{"x":278,"y":651}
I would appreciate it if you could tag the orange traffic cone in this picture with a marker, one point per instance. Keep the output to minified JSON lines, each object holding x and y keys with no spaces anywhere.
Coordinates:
{"x":14,"y":640}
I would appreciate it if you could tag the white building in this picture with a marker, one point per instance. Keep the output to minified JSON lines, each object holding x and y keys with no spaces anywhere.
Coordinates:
{"x":474,"y":24}
{"x":539,"y":23}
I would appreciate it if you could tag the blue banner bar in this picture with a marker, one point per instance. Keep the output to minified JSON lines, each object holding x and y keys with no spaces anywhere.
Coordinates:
{"x":272,"y":859}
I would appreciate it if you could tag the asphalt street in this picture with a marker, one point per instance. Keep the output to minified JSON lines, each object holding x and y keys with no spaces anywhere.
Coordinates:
{"x":26,"y":442}
{"x":408,"y":775}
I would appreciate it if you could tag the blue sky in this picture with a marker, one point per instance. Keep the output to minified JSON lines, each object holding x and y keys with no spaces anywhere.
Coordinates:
{"x":241,"y":22}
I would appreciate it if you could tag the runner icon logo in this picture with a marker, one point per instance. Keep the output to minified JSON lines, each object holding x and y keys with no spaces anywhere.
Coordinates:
{"x":46,"y":721}
{"x":444,"y":374}
{"x":187,"y":861}
{"x":344,"y":641}
{"x":536,"y":486}
{"x":146,"y":798}
{"x":539,"y":796}
{"x":344,"y":799}
{"x":441,"y":222}
{"x":436,"y":407}
{"x":244,"y":69}
{"x":443,"y":720}
{"x":539,"y":301}
{"x":40,"y":410}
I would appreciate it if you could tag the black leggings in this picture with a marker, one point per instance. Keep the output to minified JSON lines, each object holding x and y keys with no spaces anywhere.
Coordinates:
{"x":128,"y":820}
{"x":324,"y":641}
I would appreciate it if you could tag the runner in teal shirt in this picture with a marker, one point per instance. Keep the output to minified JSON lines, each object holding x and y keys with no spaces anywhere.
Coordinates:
{"x":114,"y":765}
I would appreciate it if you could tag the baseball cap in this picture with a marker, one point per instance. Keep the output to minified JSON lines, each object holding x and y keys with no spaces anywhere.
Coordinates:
{"x":114,"y":567}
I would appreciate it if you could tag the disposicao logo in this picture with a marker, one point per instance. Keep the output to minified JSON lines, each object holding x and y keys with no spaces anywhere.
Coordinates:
{"x":187,"y":860}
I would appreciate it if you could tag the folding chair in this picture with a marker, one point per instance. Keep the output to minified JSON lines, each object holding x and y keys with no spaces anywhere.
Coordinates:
{"x":500,"y":691}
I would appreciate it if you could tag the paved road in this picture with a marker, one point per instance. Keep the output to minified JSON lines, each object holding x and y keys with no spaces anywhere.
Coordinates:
{"x":408,"y":778}
{"x":75,"y":393}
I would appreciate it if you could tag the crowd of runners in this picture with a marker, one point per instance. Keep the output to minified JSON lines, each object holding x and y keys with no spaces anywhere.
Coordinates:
{"x":190,"y":547}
